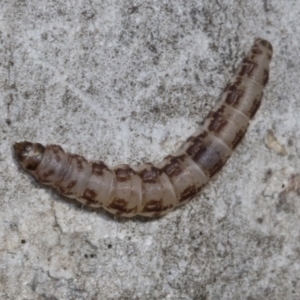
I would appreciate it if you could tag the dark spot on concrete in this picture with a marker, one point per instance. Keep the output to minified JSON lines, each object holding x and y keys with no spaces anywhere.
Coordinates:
{"x":259,"y":220}
{"x":133,"y":9}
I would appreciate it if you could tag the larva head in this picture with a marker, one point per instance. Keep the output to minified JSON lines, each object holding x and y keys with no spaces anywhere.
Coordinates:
{"x":29,"y":154}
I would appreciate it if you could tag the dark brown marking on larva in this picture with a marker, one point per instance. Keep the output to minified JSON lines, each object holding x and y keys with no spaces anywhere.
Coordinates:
{"x":248,"y":68}
{"x":80,"y":160}
{"x":21,"y":150}
{"x":217,"y":167}
{"x":208,"y":149}
{"x":256,"y":51}
{"x":217,"y":123}
{"x":56,"y":149}
{"x":124,"y":173}
{"x":181,"y":157}
{"x":66,"y":190}
{"x":205,"y":156}
{"x":266,"y":44}
{"x":266,"y":77}
{"x":71,"y":184}
{"x":214,"y":162}
{"x":255,"y":106}
{"x":32,"y":166}
{"x":238,"y":138}
{"x":98,"y":168}
{"x":188,"y":193}
{"x":48,"y":174}
{"x":155,"y":206}
{"x":89,"y":195}
{"x":169,"y":157}
{"x":29,"y":154}
{"x":197,"y":145}
{"x":121,"y":206}
{"x":235,"y":95}
{"x":150,"y":176}
{"x":220,"y":111}
{"x":174,"y":168}
{"x":190,"y":139}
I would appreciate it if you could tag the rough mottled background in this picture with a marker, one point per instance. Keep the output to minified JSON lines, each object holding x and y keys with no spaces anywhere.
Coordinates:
{"x":127,"y":81}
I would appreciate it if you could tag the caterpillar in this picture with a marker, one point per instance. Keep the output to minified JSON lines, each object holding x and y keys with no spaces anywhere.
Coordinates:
{"x":153,"y":189}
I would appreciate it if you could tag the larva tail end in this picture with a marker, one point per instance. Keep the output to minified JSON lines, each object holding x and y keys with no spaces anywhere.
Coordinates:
{"x":29,"y":154}
{"x":264,"y":43}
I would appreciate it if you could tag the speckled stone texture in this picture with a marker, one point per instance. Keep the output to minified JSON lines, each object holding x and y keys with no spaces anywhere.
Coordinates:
{"x":125,"y":82}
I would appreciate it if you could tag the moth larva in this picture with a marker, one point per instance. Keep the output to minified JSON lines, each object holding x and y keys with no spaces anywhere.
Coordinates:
{"x":154,"y":189}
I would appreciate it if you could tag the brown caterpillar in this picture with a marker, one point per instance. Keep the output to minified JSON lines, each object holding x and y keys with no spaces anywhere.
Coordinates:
{"x":155,"y":189}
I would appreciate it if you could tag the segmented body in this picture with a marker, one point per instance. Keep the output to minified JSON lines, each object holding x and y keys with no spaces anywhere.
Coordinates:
{"x":154,"y":189}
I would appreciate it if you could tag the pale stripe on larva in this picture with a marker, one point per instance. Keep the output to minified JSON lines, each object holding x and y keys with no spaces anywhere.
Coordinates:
{"x":154,"y":189}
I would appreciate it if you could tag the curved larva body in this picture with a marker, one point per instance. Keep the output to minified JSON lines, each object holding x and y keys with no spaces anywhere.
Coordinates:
{"x":154,"y":189}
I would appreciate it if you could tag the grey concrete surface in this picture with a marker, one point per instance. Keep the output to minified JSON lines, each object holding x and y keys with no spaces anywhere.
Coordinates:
{"x":128,"y":81}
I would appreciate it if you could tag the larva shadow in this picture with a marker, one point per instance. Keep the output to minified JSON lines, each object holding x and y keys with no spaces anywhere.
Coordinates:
{"x":154,"y":189}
